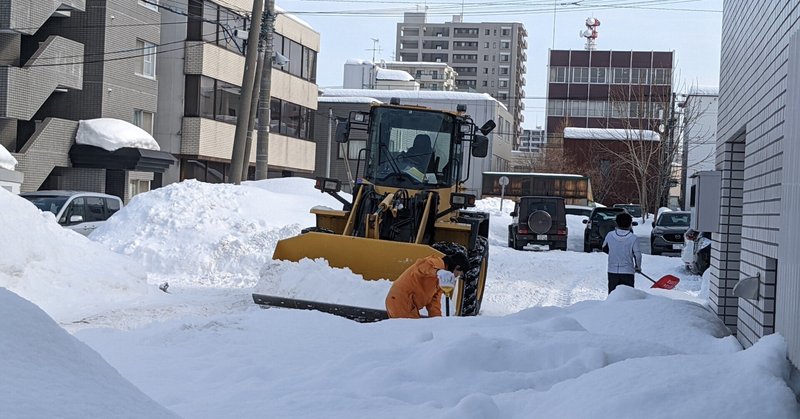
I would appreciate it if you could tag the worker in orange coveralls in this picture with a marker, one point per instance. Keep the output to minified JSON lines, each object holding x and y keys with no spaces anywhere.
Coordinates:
{"x":422,"y":284}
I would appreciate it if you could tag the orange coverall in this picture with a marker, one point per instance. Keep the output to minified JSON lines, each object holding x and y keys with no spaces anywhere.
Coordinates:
{"x":417,"y":287}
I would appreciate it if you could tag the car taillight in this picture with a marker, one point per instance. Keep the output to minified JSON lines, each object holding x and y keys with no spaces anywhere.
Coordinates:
{"x":523,"y":230}
{"x":690,"y":235}
{"x":561,"y":231}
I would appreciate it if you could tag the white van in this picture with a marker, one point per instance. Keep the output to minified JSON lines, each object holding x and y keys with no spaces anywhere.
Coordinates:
{"x":82,"y":212}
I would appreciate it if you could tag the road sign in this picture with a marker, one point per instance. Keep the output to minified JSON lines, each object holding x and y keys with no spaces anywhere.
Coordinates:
{"x":503,"y":183}
{"x":503,"y":180}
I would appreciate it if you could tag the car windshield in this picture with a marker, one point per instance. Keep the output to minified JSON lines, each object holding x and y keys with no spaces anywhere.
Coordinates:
{"x":633,"y":210}
{"x":674,"y":220}
{"x":411,"y":147}
{"x":47,"y":202}
{"x":606,"y":214}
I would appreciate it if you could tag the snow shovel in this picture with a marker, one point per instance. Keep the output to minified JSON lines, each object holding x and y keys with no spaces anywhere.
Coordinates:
{"x":666,"y":282}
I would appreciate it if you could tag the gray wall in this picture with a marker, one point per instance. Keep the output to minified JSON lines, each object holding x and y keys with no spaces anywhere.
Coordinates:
{"x":750,"y":153}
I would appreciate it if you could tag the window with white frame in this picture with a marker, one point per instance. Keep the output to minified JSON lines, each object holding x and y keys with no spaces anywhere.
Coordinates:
{"x":504,"y":58}
{"x":555,"y":107}
{"x":598,"y":75}
{"x":137,"y":186}
{"x":657,"y":111}
{"x":146,"y":61}
{"x":505,"y":44}
{"x":619,"y":109}
{"x":504,"y":71}
{"x":662,"y":76}
{"x":639,"y":76}
{"x":577,"y":108}
{"x":637,"y":109}
{"x":622,"y":76}
{"x":150,"y":4}
{"x":143,"y":120}
{"x":503,"y":83}
{"x":597,"y":109}
{"x":558,"y":74}
{"x":580,"y":74}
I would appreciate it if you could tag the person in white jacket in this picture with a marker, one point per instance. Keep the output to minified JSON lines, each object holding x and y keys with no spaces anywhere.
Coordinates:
{"x":624,"y":255}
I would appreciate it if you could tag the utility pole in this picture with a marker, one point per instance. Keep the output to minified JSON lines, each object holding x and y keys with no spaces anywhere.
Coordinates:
{"x":246,"y":95}
{"x":253,"y":108}
{"x":330,"y":142}
{"x":265,"y":95}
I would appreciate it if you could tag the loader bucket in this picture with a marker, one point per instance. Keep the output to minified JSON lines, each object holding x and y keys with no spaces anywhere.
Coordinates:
{"x":371,"y":258}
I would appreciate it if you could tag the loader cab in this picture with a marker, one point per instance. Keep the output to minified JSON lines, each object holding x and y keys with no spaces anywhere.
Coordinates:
{"x":413,"y":147}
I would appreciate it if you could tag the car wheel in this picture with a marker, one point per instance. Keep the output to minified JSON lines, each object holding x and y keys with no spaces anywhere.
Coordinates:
{"x":587,"y":247}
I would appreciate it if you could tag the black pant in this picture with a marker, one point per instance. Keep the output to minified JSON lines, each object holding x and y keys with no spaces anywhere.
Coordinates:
{"x":619,"y":279}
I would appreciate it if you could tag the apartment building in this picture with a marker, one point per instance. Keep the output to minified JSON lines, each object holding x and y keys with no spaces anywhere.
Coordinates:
{"x":200,"y":89}
{"x":757,"y":146}
{"x":337,"y":103}
{"x":699,"y":136}
{"x":430,"y":76}
{"x":488,"y":57}
{"x":62,"y":61}
{"x":532,"y":140}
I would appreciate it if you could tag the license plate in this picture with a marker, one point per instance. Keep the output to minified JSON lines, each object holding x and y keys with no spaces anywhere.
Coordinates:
{"x":541,"y":237}
{"x":677,"y":246}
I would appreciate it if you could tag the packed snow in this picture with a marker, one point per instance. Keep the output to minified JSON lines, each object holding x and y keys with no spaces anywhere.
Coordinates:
{"x":549,"y":341}
{"x":112,"y":134}
{"x":7,"y":161}
{"x":396,"y":75}
{"x":610,"y":134}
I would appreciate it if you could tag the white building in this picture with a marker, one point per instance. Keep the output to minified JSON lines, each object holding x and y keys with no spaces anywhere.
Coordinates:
{"x":699,"y":136}
{"x":532,"y":140}
{"x":480,"y":106}
{"x":361,"y":74}
{"x":430,"y":76}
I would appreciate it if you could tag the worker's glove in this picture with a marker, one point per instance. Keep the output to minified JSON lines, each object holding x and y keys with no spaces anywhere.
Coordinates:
{"x":447,"y":281}
{"x":638,"y":269}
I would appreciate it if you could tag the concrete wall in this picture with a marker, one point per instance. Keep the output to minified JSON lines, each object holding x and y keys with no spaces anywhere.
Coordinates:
{"x":700,"y":138}
{"x":751,"y":144}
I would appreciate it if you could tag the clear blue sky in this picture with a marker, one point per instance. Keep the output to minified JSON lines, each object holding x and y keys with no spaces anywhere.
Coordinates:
{"x":347,"y":26}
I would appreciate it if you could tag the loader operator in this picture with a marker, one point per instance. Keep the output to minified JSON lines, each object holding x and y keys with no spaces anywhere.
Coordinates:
{"x":422,"y":285}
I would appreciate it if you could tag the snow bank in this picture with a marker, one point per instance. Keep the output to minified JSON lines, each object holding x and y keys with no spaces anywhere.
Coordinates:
{"x":63,"y":272}
{"x":112,"y":134}
{"x":7,"y":161}
{"x":47,"y":373}
{"x":220,"y":235}
{"x":632,"y":356}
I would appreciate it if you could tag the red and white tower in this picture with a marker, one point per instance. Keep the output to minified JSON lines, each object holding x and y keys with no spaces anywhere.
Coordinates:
{"x":591,"y":33}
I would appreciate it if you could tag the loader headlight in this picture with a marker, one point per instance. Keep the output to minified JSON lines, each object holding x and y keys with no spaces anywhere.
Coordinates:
{"x":462,"y":200}
{"x":328,"y":185}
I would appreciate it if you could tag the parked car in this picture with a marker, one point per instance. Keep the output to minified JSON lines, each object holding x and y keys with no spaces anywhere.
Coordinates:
{"x":635,"y":210}
{"x":538,"y":220}
{"x":600,"y":222}
{"x":696,"y":253}
{"x":578,"y":210}
{"x":668,"y":230}
{"x":82,"y":212}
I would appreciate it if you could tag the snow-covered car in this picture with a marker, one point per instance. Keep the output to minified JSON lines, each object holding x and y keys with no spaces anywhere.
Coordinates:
{"x":696,"y":253}
{"x":667,"y":234}
{"x":81,"y":212}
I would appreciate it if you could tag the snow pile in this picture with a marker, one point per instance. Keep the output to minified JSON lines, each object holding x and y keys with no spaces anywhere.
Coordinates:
{"x":112,"y":134}
{"x":7,"y":161}
{"x":395,"y":75}
{"x":47,"y":373}
{"x":63,"y":272}
{"x":202,"y":234}
{"x":610,"y":134}
{"x":634,"y":356}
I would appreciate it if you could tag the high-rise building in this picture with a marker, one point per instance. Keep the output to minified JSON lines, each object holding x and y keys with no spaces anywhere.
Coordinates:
{"x":200,"y":88}
{"x":532,"y":140}
{"x":430,"y":76}
{"x":66,"y":61}
{"x":489,"y":57}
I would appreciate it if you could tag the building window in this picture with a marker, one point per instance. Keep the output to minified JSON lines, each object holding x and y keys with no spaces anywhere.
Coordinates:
{"x":290,"y":119}
{"x":488,"y":33}
{"x":353,"y":148}
{"x":605,"y":167}
{"x":622,"y":75}
{"x":505,"y":32}
{"x":639,"y":76}
{"x":577,"y":108}
{"x":505,"y":44}
{"x":146,"y":62}
{"x":619,"y":109}
{"x":150,"y":4}
{"x":135,"y":187}
{"x":558,"y":74}
{"x":213,"y":99}
{"x":215,"y":24}
{"x":597,"y":76}
{"x":555,"y":107}
{"x":302,"y":60}
{"x":503,"y":71}
{"x":486,"y":44}
{"x":597,"y":109}
{"x":637,"y":109}
{"x":503,"y":83}
{"x":657,"y":111}
{"x":143,"y":120}
{"x":662,"y":76}
{"x":580,"y":74}
{"x":485,"y":58}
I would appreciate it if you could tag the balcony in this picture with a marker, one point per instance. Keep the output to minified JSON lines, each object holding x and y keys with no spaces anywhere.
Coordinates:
{"x":56,"y":64}
{"x":47,"y":148}
{"x":207,"y":138}
{"x":30,"y":17}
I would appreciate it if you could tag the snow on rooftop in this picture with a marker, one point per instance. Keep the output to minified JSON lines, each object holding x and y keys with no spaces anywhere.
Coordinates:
{"x":47,"y":373}
{"x":610,"y":134}
{"x":534,"y":174}
{"x":416,"y":64}
{"x":347,"y":99}
{"x":356,"y":61}
{"x":7,"y":161}
{"x":294,"y":18}
{"x":395,"y":75}
{"x":385,"y":95}
{"x":704,"y":91}
{"x":112,"y":134}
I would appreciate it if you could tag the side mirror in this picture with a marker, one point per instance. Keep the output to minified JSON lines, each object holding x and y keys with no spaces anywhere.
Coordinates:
{"x":480,"y":146}
{"x":585,"y":221}
{"x":513,"y":213}
{"x":328,"y":185}
{"x":76,"y":219}
{"x":342,"y":130}
{"x":488,"y":127}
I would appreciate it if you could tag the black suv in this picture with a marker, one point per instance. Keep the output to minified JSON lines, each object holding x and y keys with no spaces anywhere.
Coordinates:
{"x":538,"y":220}
{"x":602,"y":221}
{"x":635,"y":210}
{"x":668,"y":229}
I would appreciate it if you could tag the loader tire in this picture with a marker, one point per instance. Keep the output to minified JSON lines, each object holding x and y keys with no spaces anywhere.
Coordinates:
{"x":479,"y":263}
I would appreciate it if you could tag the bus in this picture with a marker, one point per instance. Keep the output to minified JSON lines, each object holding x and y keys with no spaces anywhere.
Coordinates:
{"x":575,"y":189}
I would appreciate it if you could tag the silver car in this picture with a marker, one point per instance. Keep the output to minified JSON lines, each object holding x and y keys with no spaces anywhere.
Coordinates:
{"x":81,"y":212}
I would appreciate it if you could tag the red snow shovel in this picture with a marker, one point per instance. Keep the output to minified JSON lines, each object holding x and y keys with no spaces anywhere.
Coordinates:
{"x":666,"y":282}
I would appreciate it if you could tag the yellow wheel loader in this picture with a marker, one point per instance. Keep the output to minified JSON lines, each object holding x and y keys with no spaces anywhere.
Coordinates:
{"x":405,"y":205}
